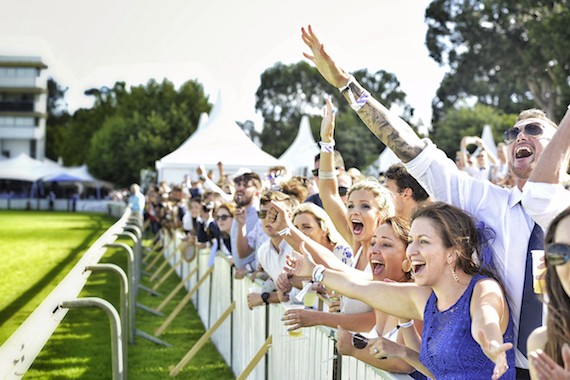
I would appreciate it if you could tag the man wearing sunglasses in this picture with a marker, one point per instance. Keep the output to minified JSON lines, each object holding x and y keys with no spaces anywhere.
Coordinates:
{"x":339,"y":166}
{"x":498,"y":208}
{"x":544,"y":197}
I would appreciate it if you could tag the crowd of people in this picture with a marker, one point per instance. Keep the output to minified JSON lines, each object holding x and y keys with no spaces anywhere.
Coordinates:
{"x":428,"y":272}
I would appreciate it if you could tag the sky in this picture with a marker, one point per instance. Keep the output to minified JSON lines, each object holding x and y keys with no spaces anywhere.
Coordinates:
{"x":224,"y":44}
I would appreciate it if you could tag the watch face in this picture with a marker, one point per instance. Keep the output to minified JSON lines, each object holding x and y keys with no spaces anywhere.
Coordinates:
{"x":359,"y":341}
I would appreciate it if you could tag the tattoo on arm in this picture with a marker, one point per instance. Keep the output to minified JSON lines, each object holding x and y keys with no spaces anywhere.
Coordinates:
{"x":400,"y":138}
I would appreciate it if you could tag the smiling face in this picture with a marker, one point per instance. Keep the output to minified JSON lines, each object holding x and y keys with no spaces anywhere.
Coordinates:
{"x":245,"y":190}
{"x":386,"y":254}
{"x":362,"y":214}
{"x":563,"y":236}
{"x":427,"y":253}
{"x":523,"y":153}
{"x":308,"y":224}
{"x":224,"y":225}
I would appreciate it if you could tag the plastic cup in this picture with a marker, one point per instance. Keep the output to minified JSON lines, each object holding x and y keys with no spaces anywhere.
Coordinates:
{"x":538,"y":259}
{"x":311,"y":295}
{"x":299,"y":332}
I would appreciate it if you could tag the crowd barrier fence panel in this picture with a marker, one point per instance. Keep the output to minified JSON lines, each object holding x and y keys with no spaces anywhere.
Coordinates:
{"x":242,"y":334}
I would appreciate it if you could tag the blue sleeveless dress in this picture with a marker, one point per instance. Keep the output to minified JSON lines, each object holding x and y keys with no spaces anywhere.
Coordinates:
{"x":448,"y":349}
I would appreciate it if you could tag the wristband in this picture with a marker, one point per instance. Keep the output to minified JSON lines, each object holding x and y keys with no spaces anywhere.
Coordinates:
{"x":327,"y":147}
{"x":350,"y":80}
{"x":360,"y":102}
{"x":285,"y":231}
{"x":406,"y":325}
{"x":318,"y":273}
{"x":328,"y":175}
{"x":248,"y":267}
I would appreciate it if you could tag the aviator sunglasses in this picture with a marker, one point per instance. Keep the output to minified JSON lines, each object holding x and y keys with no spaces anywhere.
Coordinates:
{"x":223,"y":217}
{"x":557,"y":253}
{"x":533,"y":129}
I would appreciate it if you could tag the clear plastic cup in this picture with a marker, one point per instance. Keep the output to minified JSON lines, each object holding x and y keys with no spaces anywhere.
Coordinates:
{"x":310,"y":296}
{"x":299,"y":332}
{"x":539,"y":285}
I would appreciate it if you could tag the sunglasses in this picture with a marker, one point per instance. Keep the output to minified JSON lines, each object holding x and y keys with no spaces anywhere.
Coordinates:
{"x":223,"y":217}
{"x":533,"y":129}
{"x":557,"y":253}
{"x":316,"y":172}
{"x":262,"y":214}
{"x":359,"y":341}
{"x":342,"y":191}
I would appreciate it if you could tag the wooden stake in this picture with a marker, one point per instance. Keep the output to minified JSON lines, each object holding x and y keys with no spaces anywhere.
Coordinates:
{"x":260,"y":354}
{"x":176,"y":289}
{"x":170,"y":271}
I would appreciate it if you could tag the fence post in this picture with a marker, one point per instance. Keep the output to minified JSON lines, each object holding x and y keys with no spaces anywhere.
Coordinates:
{"x":116,"y":333}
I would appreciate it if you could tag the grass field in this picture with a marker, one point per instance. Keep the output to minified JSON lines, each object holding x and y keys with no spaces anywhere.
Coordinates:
{"x":37,"y":250}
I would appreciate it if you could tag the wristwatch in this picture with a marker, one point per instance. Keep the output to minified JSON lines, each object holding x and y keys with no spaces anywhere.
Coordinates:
{"x":264,"y":297}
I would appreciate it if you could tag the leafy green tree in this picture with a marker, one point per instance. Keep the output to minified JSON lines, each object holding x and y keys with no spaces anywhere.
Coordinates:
{"x":510,"y":54}
{"x":141,"y":126}
{"x":469,"y":121}
{"x":287,"y":92}
{"x":57,"y":119}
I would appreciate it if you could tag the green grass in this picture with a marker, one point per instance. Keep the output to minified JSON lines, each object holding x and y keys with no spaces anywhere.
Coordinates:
{"x":80,"y":347}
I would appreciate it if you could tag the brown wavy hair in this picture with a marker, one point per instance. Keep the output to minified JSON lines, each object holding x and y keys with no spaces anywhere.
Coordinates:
{"x":558,"y":320}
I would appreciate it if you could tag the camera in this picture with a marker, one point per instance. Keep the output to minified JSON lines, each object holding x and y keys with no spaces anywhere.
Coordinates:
{"x":208,"y":207}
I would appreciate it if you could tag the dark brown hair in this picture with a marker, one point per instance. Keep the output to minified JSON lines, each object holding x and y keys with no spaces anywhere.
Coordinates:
{"x":558,"y":320}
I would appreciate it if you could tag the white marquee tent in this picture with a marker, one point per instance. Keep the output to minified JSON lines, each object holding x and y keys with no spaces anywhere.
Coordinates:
{"x":299,"y":158}
{"x":219,"y":140}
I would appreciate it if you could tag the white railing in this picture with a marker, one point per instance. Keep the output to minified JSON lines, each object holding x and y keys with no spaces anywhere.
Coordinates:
{"x":243,"y":333}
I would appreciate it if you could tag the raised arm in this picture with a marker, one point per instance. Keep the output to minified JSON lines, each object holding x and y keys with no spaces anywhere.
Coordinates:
{"x":402,"y":300}
{"x":328,"y":185}
{"x":489,"y":320}
{"x":389,"y":128}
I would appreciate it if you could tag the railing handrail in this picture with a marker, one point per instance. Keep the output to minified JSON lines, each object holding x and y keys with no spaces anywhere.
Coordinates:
{"x":21,"y":349}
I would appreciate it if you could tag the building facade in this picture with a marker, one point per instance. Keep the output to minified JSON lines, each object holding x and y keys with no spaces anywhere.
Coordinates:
{"x":23,"y":106}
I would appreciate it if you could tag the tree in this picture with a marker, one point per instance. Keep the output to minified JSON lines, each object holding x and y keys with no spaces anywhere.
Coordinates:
{"x":141,"y":126}
{"x":287,"y":92}
{"x":469,"y":121}
{"x":57,"y":119}
{"x":510,"y":54}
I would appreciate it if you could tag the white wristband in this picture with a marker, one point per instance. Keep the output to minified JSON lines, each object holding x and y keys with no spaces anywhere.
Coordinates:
{"x":406,"y":325}
{"x":327,"y":147}
{"x":350,"y":80}
{"x":327,"y":175}
{"x":285,"y":231}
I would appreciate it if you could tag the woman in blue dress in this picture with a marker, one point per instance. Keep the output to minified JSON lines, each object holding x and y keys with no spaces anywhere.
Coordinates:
{"x":468,"y":329}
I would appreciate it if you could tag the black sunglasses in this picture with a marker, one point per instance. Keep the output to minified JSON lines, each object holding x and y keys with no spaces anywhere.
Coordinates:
{"x":557,"y":253}
{"x":342,"y":191}
{"x":262,"y":214}
{"x":359,"y":341}
{"x":316,"y":172}
{"x":533,"y":129}
{"x":223,"y":217}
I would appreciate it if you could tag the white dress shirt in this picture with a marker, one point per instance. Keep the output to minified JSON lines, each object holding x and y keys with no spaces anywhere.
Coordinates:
{"x":544,"y":201}
{"x":499,"y":208}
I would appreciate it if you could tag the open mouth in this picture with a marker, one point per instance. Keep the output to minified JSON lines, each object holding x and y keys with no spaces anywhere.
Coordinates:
{"x":377,"y":267}
{"x":357,"y":227}
{"x":523,"y":151}
{"x":417,"y":268}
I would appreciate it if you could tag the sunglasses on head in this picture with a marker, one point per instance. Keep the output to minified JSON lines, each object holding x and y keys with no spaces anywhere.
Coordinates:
{"x":262,"y":214}
{"x":532,"y":129}
{"x":359,"y":341}
{"x":557,"y":253}
{"x":222,"y":217}
{"x":342,"y":191}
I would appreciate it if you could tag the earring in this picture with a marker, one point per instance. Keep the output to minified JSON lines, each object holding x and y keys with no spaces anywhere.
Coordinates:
{"x":453,"y":273}
{"x":406,"y":265}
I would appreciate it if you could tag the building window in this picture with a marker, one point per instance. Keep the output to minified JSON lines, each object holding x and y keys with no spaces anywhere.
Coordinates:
{"x":33,"y":148}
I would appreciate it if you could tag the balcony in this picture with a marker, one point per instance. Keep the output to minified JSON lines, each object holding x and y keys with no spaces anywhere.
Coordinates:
{"x":22,"y":106}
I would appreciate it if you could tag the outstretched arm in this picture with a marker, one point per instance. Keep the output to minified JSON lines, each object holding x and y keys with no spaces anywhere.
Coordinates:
{"x":389,"y":128}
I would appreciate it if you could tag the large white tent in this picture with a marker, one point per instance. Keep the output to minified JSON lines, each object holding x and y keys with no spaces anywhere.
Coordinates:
{"x":299,"y":158}
{"x":24,"y":168}
{"x":219,"y":140}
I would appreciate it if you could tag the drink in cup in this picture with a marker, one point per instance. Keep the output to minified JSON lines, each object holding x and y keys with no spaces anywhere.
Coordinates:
{"x":299,"y":332}
{"x":538,"y":259}
{"x":310,"y":296}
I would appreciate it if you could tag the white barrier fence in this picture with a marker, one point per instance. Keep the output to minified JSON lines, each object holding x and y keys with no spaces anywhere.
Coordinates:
{"x":82,"y":205}
{"x":241,"y":335}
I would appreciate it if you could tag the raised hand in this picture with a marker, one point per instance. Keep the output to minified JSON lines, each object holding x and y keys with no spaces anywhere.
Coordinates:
{"x":327,"y":125}
{"x":277,"y":216}
{"x":496,"y":352}
{"x":300,"y":264}
{"x":326,"y":66}
{"x":546,"y":368}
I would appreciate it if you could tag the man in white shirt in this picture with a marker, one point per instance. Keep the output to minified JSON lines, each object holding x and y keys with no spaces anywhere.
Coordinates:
{"x":499,"y":208}
{"x":272,"y":254}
